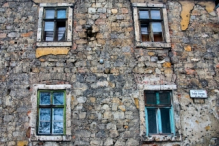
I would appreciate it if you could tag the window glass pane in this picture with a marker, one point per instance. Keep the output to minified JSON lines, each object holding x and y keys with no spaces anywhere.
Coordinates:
{"x":49,"y":31}
{"x":150,"y":98}
{"x":44,"y":128}
{"x":165,"y":119}
{"x":49,"y":26}
{"x":61,"y":14}
{"x":155,"y":14}
{"x":50,"y":14}
{"x":58,"y":98}
{"x":44,"y":98}
{"x":45,"y":114}
{"x":165,"y":98}
{"x":58,"y":114}
{"x":152,"y":122}
{"x":157,"y":27}
{"x":143,"y":14}
{"x":157,"y":31}
{"x":144,"y":33}
{"x":57,"y":127}
{"x":61,"y":31}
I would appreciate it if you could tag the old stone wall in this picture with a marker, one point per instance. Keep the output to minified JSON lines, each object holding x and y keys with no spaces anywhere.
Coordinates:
{"x":108,"y":73}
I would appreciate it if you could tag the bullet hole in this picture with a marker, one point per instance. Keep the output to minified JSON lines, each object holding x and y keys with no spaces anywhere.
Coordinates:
{"x":8,"y":91}
{"x":160,"y":58}
{"x":204,"y":83}
{"x":15,"y":42}
{"x":28,"y":88}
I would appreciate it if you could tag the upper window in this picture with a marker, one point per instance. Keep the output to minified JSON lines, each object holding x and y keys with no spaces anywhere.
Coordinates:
{"x":151,"y":26}
{"x":159,"y":113}
{"x":55,"y":25}
{"x":51,"y":113}
{"x":151,"y":23}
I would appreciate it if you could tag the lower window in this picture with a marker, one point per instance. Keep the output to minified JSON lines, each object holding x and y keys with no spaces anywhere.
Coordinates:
{"x":51,"y":112}
{"x":159,"y":113}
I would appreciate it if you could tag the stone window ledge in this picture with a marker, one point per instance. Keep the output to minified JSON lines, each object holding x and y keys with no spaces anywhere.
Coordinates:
{"x":54,"y":44}
{"x":162,"y":138}
{"x":33,"y":119}
{"x":153,"y":44}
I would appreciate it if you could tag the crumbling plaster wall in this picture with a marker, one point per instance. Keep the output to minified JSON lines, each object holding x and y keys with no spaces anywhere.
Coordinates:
{"x":195,"y":51}
{"x":105,"y":97}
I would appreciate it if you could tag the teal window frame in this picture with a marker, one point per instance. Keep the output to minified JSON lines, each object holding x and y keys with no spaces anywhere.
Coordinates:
{"x":158,"y":117}
{"x":51,"y":106}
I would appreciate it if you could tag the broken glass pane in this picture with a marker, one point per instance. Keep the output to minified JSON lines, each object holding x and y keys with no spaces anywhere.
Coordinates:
{"x":165,"y":119}
{"x":58,"y":127}
{"x":50,"y":14}
{"x":61,"y":14}
{"x":45,"y":114}
{"x":155,"y":14}
{"x":44,"y":128}
{"x":143,"y":14}
{"x":152,"y":122}
{"x":58,"y":98}
{"x":44,"y":98}
{"x":58,"y":114}
{"x":157,"y":27}
{"x":61,"y":31}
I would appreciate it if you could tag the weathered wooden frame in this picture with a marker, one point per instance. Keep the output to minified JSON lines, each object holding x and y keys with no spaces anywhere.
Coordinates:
{"x":33,"y":120}
{"x":138,"y":42}
{"x":69,"y":30}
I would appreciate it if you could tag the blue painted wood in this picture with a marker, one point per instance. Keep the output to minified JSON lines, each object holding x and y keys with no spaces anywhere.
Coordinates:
{"x":159,"y":124}
{"x":157,"y":98}
{"x":172,"y":121}
{"x":146,"y":122}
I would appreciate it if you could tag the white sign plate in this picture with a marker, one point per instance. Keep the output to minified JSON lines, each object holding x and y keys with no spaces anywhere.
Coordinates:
{"x":198,"y":94}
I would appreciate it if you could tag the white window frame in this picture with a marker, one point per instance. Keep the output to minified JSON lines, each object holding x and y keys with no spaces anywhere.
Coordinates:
{"x":69,"y":30}
{"x":138,"y":42}
{"x":33,"y":120}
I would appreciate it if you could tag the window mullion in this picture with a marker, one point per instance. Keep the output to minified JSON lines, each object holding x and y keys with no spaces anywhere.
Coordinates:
{"x":157,"y":98}
{"x":172,"y":125}
{"x":159,"y":122}
{"x":51,"y":111}
{"x":146,"y":122}
{"x":151,"y":32}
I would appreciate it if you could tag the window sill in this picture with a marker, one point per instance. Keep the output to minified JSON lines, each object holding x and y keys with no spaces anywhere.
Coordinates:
{"x":54,"y":44}
{"x":153,"y":44}
{"x":162,"y":138}
{"x":51,"y":138}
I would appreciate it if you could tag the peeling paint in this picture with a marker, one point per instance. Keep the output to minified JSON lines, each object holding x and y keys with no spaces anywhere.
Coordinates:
{"x":137,"y":103}
{"x":54,"y":51}
{"x":209,"y":7}
{"x":187,"y":7}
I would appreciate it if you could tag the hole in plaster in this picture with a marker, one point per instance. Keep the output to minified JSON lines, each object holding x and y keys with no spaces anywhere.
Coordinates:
{"x":28,"y":88}
{"x":8,"y":91}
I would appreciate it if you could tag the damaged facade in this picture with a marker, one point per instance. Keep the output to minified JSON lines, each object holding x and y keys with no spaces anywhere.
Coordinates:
{"x":109,"y":72}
